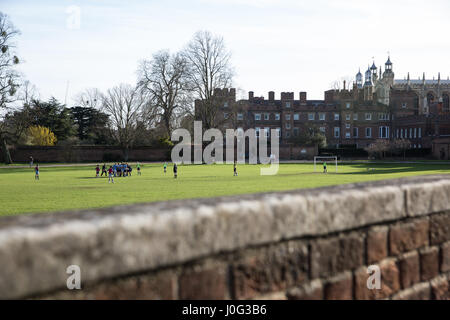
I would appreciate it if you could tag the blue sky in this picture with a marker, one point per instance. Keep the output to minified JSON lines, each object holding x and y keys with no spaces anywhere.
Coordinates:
{"x":284,"y":45}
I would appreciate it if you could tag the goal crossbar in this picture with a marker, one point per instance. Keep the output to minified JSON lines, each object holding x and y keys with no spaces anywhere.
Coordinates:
{"x":333,"y":158}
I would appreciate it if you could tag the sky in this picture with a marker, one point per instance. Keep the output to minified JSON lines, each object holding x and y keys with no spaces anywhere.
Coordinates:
{"x":67,"y":46}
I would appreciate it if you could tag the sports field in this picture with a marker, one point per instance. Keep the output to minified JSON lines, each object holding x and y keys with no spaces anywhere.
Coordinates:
{"x":75,"y":187}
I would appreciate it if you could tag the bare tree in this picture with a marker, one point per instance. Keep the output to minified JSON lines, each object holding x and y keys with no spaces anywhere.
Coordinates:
{"x":125,"y":105}
{"x":163,"y":79}
{"x":8,"y":75}
{"x":209,"y":68}
{"x":90,"y":97}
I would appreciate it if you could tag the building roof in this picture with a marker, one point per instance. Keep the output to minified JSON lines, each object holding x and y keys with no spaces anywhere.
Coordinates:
{"x":429,"y":82}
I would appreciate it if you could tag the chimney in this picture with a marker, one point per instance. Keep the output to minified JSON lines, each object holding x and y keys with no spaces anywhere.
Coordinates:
{"x":250,"y":95}
{"x":303,"y":98}
{"x":271,"y":95}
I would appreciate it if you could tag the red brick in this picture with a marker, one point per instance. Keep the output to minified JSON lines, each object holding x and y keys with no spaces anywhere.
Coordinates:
{"x":339,"y":287}
{"x":445,"y":257}
{"x":377,"y":244}
{"x":271,"y":269}
{"x":440,"y":288}
{"x":409,"y":267}
{"x":440,"y":228}
{"x":390,"y":281}
{"x":337,"y":254}
{"x":210,"y":284}
{"x":309,"y":291}
{"x":420,"y":291}
{"x":429,"y":263}
{"x":408,"y":236}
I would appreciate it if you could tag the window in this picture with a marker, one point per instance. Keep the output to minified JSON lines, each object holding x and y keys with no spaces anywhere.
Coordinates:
{"x":322,"y":116}
{"x":347,"y":135}
{"x":337,"y":132}
{"x":355,"y":132}
{"x":420,"y":134}
{"x":257,"y":129}
{"x":257,"y":116}
{"x":278,"y":132}
{"x":396,"y":135}
{"x":415,"y":132}
{"x":225,"y":104}
{"x":288,"y":134}
{"x":401,"y":133}
{"x":347,"y":126}
{"x":225,"y":115}
{"x":240,"y":132}
{"x":355,"y":116}
{"x":368,"y":116}
{"x":368,"y":132}
{"x":404,"y":105}
{"x":295,"y":132}
{"x":347,"y":105}
{"x":277,"y":116}
{"x":288,"y":104}
{"x":410,"y":132}
{"x":288,"y":116}
{"x":266,"y":116}
{"x":296,"y":117}
{"x":384,"y":132}
{"x":383,"y":116}
{"x":266,"y":132}
{"x":336,"y":116}
{"x":240,"y":116}
{"x":311,"y":116}
{"x":322,"y":129}
{"x":288,"y":125}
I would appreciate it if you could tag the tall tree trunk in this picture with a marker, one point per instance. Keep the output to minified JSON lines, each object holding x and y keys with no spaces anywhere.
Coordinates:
{"x":5,"y":151}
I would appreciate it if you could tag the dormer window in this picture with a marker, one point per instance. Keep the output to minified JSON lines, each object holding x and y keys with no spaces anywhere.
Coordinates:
{"x":225,"y":104}
{"x":288,"y":104}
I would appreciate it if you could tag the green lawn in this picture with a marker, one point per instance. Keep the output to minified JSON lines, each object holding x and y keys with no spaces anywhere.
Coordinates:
{"x":61,"y":188}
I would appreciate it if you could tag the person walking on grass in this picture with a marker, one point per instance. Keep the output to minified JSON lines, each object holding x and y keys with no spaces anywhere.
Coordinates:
{"x":235,"y":169}
{"x":36,"y":172}
{"x":165,"y":167}
{"x":110,"y":175}
{"x":325,"y":167}
{"x":175,"y":170}
{"x":97,"y":171}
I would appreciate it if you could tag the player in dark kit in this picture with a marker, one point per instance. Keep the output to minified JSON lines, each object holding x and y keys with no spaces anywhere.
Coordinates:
{"x":36,"y":172}
{"x":104,"y":171}
{"x":175,"y":170}
{"x":235,"y":169}
{"x":97,"y":171}
{"x":110,"y":175}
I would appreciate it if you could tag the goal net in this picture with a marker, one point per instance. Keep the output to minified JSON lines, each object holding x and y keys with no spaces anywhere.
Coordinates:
{"x":321,"y":159}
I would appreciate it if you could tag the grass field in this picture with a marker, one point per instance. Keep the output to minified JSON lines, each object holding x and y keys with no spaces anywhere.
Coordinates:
{"x":61,"y":188}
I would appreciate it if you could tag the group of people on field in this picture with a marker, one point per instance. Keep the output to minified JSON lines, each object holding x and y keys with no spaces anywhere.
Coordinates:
{"x":117,"y":170}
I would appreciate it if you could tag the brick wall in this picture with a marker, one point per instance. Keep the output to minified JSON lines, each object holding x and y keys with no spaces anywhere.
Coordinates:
{"x":306,"y":244}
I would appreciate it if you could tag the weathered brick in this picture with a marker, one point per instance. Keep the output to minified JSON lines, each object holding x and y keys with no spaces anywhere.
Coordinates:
{"x":445,"y":257}
{"x":271,"y":269}
{"x":420,"y":291}
{"x":333,"y":255}
{"x":390,"y":281}
{"x":408,"y":236}
{"x":440,"y":228}
{"x":208,"y":284}
{"x":309,"y":291}
{"x":429,"y":263}
{"x":440,"y":288}
{"x":377,"y":244}
{"x":339,"y":287}
{"x":409,"y":264}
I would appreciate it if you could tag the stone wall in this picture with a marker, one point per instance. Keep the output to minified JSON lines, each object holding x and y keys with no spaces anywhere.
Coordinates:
{"x":303,"y":244}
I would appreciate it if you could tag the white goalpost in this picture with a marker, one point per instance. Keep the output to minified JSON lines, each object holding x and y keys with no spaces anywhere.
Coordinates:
{"x":323,"y":158}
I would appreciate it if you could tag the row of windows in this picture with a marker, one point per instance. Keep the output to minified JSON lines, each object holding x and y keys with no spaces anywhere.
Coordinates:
{"x":312,"y":116}
{"x":409,"y":133}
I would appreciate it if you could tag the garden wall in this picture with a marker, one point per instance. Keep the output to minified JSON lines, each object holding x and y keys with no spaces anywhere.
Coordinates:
{"x":303,"y":244}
